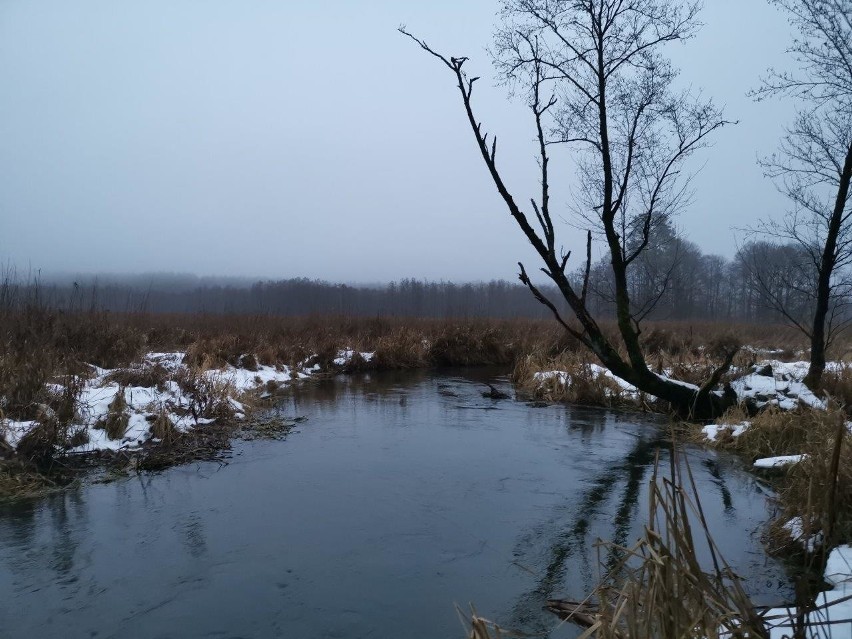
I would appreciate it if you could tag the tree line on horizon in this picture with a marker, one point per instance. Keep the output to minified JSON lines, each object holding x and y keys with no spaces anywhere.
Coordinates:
{"x":675,"y":281}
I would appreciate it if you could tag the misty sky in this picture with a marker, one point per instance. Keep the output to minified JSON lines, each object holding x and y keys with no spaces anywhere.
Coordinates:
{"x":284,"y":139}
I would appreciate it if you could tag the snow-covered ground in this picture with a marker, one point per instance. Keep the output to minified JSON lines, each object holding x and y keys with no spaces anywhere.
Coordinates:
{"x":565,"y":379}
{"x":833,"y":615}
{"x":143,"y":404}
{"x":713,"y":431}
{"x":778,"y":383}
{"x":778,"y":462}
{"x":772,"y":382}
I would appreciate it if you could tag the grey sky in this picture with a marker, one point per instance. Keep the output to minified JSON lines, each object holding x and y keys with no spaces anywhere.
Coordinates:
{"x":279,"y":139}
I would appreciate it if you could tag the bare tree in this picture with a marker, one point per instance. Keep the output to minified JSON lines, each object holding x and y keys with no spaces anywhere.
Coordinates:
{"x":813,"y":165}
{"x":783,"y":280}
{"x":598,"y":83}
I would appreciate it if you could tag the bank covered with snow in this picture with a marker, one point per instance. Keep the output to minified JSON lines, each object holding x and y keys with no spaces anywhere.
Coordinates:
{"x":831,"y":616}
{"x":772,"y":382}
{"x":119,"y":409}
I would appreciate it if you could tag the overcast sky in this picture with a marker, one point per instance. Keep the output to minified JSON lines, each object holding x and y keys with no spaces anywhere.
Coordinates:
{"x":283,"y":139}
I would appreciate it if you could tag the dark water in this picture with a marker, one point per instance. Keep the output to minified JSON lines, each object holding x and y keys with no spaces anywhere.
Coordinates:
{"x":401,"y":495}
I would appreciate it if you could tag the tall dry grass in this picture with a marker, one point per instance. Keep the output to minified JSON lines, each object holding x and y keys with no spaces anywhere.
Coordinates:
{"x":568,"y":377}
{"x":817,"y":491}
{"x":656,"y":588}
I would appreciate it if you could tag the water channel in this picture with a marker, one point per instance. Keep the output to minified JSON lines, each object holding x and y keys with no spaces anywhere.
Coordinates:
{"x":402,"y":494}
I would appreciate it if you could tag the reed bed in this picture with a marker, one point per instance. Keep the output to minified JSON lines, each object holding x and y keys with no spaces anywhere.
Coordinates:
{"x":656,"y":588}
{"x":816,"y":492}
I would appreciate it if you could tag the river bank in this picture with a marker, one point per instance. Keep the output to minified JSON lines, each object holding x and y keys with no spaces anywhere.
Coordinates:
{"x":138,"y":389}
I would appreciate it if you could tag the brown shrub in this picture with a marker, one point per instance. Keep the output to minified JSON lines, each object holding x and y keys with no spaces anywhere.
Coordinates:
{"x":40,"y":444}
{"x":163,"y":429}
{"x":464,"y":345}
{"x":116,"y":420}
{"x":402,"y":348}
{"x":837,"y":382}
{"x":210,"y":395}
{"x":141,"y":375}
{"x":580,"y":384}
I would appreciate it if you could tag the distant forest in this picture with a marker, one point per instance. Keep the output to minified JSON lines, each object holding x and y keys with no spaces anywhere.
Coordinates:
{"x":674,"y":281}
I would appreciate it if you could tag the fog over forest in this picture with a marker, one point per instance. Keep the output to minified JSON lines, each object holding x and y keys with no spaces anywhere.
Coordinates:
{"x":677,"y":279}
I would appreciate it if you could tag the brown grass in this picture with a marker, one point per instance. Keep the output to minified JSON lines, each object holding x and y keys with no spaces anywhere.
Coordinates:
{"x":837,"y":382}
{"x":141,"y":375}
{"x":657,"y":588}
{"x":163,"y":429}
{"x":210,"y":395}
{"x":117,"y":418}
{"x":583,"y":385}
{"x":19,"y":480}
{"x":40,"y":346}
{"x":818,"y":489}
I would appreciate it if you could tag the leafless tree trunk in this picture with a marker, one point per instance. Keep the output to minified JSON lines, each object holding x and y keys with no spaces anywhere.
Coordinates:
{"x":597,"y":82}
{"x":813,"y":165}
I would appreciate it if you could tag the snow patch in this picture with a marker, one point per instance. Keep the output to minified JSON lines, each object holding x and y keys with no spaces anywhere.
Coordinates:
{"x":838,"y":568}
{"x":13,"y":432}
{"x":796,"y":528}
{"x":777,"y":462}
{"x":778,"y":383}
{"x":143,"y":404}
{"x":346,"y":356}
{"x":834,"y":604}
{"x":713,"y":431}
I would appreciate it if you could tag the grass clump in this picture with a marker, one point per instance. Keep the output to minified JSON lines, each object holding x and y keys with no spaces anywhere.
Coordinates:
{"x":41,"y":443}
{"x":818,"y":489}
{"x":837,"y":383}
{"x":117,"y":418}
{"x":209,"y":393}
{"x":20,"y":480}
{"x":141,"y":375}
{"x":568,"y":377}
{"x":163,"y":429}
{"x":402,"y":348}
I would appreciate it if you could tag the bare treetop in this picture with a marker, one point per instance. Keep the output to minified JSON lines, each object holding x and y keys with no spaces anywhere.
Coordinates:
{"x":822,"y":51}
{"x":601,"y":61}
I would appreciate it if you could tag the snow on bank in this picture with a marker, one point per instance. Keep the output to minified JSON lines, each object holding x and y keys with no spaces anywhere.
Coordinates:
{"x":346,"y":356}
{"x":103,"y":398}
{"x":777,"y":462}
{"x":778,"y":383}
{"x":13,"y":432}
{"x":772,"y":382}
{"x":796,"y":529}
{"x":833,"y":614}
{"x":712,"y":432}
{"x":564,"y":379}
